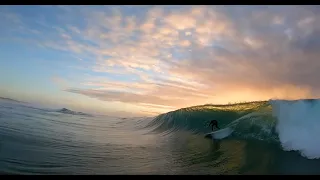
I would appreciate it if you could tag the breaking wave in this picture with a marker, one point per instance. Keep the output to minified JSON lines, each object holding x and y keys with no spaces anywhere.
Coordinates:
{"x":292,"y":124}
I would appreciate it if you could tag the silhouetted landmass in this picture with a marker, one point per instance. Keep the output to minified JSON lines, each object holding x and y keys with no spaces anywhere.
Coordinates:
{"x":67,"y":111}
{"x":8,"y":99}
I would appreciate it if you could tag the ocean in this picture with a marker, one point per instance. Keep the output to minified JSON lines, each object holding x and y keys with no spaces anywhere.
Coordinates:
{"x":270,"y":137}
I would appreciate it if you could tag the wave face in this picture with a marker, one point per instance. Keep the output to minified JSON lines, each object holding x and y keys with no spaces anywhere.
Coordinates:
{"x":295,"y":125}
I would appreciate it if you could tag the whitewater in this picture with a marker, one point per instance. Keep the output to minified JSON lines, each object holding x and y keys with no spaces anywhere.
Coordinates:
{"x":270,"y":137}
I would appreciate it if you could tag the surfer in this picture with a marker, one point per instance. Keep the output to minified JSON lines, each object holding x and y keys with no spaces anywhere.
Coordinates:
{"x":214,"y":123}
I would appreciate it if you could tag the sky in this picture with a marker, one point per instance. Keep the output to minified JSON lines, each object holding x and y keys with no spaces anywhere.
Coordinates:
{"x":146,"y":60}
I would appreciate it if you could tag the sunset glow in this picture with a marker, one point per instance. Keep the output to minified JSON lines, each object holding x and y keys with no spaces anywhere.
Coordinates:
{"x":146,"y":60}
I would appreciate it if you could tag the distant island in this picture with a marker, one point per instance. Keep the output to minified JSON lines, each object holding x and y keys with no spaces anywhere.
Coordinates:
{"x":67,"y":111}
{"x":8,"y":99}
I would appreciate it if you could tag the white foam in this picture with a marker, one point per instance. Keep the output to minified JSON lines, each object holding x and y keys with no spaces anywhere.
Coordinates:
{"x":298,"y":126}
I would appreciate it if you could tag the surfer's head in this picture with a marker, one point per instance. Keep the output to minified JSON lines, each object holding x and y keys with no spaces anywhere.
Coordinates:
{"x":214,"y":123}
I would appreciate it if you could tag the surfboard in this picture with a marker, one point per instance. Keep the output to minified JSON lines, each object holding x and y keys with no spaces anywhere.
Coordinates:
{"x":220,"y":134}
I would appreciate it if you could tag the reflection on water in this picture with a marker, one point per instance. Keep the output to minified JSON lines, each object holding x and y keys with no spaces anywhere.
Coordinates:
{"x":198,"y":155}
{"x":293,"y":163}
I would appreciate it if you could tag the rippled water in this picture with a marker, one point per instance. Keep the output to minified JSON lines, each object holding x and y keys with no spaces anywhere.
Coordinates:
{"x":35,"y":141}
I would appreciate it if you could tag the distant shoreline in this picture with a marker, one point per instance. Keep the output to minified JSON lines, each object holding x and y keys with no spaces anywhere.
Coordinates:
{"x":9,"y":99}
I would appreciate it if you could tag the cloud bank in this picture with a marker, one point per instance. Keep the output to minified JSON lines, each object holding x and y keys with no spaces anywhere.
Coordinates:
{"x":170,"y":57}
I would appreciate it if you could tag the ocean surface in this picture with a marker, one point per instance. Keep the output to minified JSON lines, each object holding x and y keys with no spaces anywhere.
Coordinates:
{"x":271,"y":137}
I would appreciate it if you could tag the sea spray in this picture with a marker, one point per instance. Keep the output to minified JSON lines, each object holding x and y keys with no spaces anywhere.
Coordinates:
{"x":298,"y":125}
